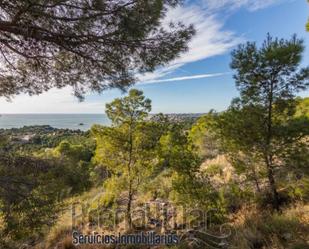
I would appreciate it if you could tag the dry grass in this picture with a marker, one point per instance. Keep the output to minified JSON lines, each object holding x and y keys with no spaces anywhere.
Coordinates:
{"x":258,"y":229}
{"x":254,"y":229}
{"x":220,"y":170}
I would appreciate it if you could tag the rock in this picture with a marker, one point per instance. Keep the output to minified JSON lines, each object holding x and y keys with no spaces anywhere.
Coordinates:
{"x":287,"y":236}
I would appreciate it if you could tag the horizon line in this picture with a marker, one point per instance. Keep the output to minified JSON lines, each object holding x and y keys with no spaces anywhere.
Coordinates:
{"x":46,"y":113}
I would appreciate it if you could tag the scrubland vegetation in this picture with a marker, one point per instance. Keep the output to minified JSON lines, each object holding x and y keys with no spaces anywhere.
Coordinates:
{"x":232,"y":179}
{"x":248,"y":165}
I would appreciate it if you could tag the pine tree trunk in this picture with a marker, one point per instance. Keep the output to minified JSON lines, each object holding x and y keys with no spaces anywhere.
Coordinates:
{"x":257,"y":185}
{"x":130,"y":194}
{"x":268,"y":152}
{"x":129,"y":218}
{"x":272,"y":184}
{"x":256,"y":180}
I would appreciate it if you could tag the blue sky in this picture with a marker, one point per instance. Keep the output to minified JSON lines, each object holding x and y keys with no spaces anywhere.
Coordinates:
{"x":200,"y":79}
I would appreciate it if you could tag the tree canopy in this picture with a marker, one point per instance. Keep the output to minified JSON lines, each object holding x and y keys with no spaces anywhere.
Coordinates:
{"x":95,"y":44}
{"x":129,"y":109}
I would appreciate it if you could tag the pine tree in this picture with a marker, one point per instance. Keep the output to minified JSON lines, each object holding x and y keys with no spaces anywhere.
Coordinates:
{"x":261,"y":123}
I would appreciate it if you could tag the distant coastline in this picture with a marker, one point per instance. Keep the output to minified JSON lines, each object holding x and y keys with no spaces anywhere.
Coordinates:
{"x":59,"y":121}
{"x":81,"y":122}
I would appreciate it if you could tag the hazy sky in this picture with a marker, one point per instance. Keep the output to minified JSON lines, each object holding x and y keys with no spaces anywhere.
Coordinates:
{"x":200,"y":79}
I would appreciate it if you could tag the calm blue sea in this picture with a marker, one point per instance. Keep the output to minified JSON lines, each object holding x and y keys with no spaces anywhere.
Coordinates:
{"x":64,"y":121}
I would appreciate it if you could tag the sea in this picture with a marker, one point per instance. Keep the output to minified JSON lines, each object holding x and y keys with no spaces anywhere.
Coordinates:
{"x":61,"y":121}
